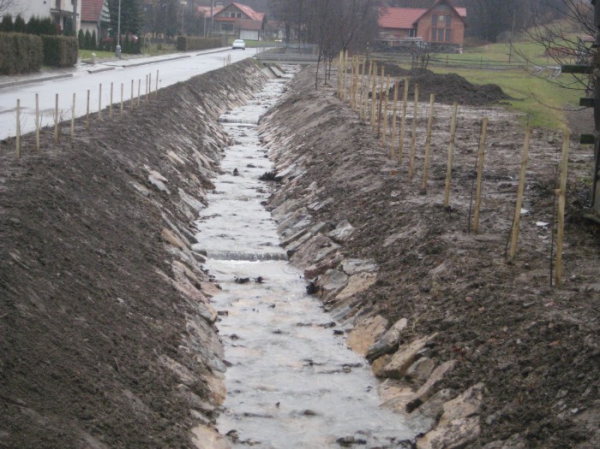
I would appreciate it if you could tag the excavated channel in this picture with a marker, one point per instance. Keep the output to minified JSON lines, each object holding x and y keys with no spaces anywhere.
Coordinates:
{"x":291,"y":380}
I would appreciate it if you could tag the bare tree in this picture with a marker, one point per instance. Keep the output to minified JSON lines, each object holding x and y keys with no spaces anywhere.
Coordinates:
{"x":9,"y":6}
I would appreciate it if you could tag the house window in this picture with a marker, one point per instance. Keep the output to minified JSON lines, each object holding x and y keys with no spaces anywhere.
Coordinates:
{"x":440,"y":31}
{"x":227,"y":27}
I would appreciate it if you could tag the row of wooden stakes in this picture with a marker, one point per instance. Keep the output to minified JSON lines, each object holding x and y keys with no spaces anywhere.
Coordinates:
{"x":354,"y":88}
{"x":100,"y":117}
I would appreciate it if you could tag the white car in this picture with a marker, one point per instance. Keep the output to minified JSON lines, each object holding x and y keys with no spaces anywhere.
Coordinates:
{"x":238,"y":43}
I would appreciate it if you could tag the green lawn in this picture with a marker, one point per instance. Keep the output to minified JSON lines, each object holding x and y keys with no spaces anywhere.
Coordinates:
{"x":541,"y":100}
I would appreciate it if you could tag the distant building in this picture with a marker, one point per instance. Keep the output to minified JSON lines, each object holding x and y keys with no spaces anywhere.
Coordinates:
{"x":240,"y":21}
{"x":442,"y":24}
{"x":59,"y":10}
{"x":95,"y":17}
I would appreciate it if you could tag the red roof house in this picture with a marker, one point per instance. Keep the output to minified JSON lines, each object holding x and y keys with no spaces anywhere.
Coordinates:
{"x":442,"y":23}
{"x":241,"y":21}
{"x":95,"y":17}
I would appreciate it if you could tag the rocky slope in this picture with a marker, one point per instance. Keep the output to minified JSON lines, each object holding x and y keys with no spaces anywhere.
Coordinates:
{"x":498,"y":357}
{"x":107,"y":337}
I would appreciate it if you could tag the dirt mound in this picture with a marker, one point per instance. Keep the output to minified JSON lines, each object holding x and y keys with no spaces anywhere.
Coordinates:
{"x":448,"y":88}
{"x":106,"y":334}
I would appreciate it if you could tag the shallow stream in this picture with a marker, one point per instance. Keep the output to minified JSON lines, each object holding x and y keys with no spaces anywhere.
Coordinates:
{"x":292,"y":382}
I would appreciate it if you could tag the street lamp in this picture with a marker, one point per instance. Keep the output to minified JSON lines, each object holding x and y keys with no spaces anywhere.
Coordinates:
{"x":118,"y":47}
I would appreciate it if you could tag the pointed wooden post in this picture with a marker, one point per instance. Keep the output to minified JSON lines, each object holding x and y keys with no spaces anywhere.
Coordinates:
{"x":73,"y":118}
{"x":394,"y":119}
{"x":428,"y":141}
{"x":87,"y":112}
{"x":403,"y":123}
{"x":562,"y":198}
{"x":413,"y":138}
{"x":18,"y":143}
{"x":480,"y":165}
{"x":37,"y":122}
{"x":514,"y":238}
{"x":450,"y":154}
{"x":56,"y":118}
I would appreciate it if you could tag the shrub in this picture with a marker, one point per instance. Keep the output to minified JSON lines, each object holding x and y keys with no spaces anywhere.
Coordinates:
{"x":188,"y":43}
{"x":19,"y":25}
{"x":60,"y":51}
{"x":6,"y":25}
{"x":20,"y":53}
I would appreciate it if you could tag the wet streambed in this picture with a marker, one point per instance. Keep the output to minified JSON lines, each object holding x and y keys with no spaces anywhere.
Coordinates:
{"x":292,"y":382}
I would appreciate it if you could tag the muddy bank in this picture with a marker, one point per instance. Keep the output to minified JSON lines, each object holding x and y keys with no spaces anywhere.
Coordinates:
{"x":487,"y":348}
{"x":107,"y":337}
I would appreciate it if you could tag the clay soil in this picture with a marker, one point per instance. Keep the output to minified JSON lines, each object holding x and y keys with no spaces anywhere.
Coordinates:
{"x":535,"y":345}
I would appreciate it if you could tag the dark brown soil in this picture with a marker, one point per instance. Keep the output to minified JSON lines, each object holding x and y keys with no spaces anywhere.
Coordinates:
{"x":534,"y":345}
{"x":448,"y":88}
{"x":89,"y":311}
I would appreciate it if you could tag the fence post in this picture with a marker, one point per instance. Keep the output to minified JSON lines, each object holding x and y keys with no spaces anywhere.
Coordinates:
{"x":450,"y":154}
{"x":131,"y":103}
{"x":157,"y":84}
{"x":100,"y":103}
{"x":394,"y":120}
{"x":428,"y":141}
{"x":373,"y":98}
{"x":37,"y":122}
{"x":87,"y":112}
{"x":480,"y":164}
{"x":403,"y":123}
{"x":73,"y":118}
{"x":56,"y":129}
{"x":122,"y":88}
{"x":110,"y":107}
{"x":562,"y":194}
{"x":386,"y":102}
{"x":18,"y":148}
{"x":515,"y":228}
{"x":413,"y":138}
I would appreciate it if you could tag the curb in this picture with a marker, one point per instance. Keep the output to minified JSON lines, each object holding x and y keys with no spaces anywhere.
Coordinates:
{"x":99,"y":70}
{"x":35,"y":80}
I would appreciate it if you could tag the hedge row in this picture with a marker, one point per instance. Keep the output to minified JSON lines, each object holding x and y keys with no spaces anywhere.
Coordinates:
{"x":60,"y":51}
{"x":188,"y":43}
{"x":20,"y":53}
{"x":23,"y":53}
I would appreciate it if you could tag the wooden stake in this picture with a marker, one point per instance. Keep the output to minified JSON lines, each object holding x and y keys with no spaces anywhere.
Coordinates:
{"x":56,"y":129}
{"x":73,"y":118}
{"x":379,"y":113}
{"x":139,"y":91}
{"x":149,"y":83}
{"x":386,"y":102}
{"x":110,"y":107}
{"x":87,"y":112}
{"x":340,"y":71}
{"x":562,"y":197}
{"x":450,"y":154}
{"x":413,"y":138}
{"x":18,"y":147}
{"x":517,"y":220}
{"x":146,"y":90}
{"x":480,"y":164}
{"x":374,"y":98}
{"x":394,"y":119}
{"x":100,"y":103}
{"x":428,"y":141}
{"x":131,"y":105}
{"x":157,"y":84}
{"x":122,"y":89}
{"x":37,"y":122}
{"x":403,"y":123}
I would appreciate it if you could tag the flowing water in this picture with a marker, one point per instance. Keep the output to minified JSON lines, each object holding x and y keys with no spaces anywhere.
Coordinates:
{"x":291,"y":381}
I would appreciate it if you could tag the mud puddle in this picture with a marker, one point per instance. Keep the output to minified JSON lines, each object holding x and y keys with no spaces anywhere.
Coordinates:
{"x":291,"y":380}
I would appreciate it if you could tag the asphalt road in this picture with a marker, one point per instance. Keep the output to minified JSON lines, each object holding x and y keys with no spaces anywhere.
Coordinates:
{"x":170,"y":70}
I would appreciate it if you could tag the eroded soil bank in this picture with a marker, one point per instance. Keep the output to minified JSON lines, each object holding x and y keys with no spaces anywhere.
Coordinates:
{"x":497,"y":356}
{"x":106,"y":332}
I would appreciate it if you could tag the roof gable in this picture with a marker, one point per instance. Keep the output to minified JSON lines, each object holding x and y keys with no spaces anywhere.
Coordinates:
{"x":406,"y":18}
{"x":91,"y":10}
{"x":460,"y":12}
{"x":244,"y":9}
{"x":399,"y":18}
